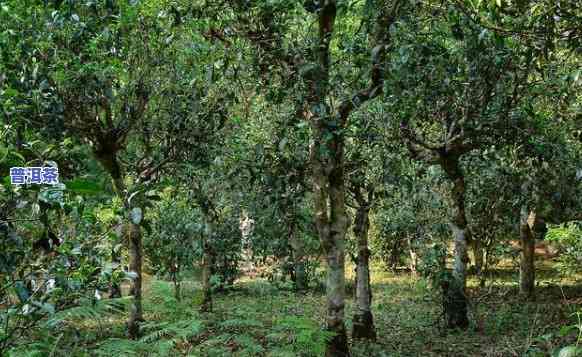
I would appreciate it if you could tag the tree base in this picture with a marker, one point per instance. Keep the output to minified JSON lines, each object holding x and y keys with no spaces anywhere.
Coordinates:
{"x":133,"y":328}
{"x":364,"y":326}
{"x":527,"y":294}
{"x":338,"y":345}
{"x":455,"y":308}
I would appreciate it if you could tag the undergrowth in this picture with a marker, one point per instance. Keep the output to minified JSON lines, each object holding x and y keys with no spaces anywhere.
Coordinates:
{"x":261,"y":319}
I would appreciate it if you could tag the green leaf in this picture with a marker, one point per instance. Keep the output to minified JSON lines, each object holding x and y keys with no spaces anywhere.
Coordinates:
{"x":136,"y":215}
{"x":52,"y":194}
{"x":84,"y":186}
{"x":566,"y":330}
{"x":44,"y":306}
{"x":570,"y":351}
{"x":282,"y":144}
{"x":21,"y":291}
{"x":19,"y":156}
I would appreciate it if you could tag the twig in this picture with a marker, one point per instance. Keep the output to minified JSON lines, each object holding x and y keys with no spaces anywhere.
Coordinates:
{"x":19,"y":220}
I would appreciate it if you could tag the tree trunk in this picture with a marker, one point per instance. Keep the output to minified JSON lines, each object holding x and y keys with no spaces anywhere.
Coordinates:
{"x":413,"y":256}
{"x":363,"y":322}
{"x":327,"y":161}
{"x":115,"y":288}
{"x":108,"y":160}
{"x":335,"y":291}
{"x":527,"y":257}
{"x":176,"y":280}
{"x":298,"y":259}
{"x":331,"y":222}
{"x":477,"y":249}
{"x":135,"y":264}
{"x":207,"y":263}
{"x":454,"y":290}
{"x":395,"y":253}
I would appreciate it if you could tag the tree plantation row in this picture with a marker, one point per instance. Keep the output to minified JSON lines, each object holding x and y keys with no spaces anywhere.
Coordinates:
{"x":172,"y":168}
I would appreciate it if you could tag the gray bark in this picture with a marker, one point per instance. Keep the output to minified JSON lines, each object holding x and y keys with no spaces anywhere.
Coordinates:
{"x":331,"y":222}
{"x":327,"y":159}
{"x":454,"y":290}
{"x":363,"y":321}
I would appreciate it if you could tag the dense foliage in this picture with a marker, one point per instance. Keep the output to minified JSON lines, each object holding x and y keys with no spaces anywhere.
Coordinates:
{"x":291,"y":178}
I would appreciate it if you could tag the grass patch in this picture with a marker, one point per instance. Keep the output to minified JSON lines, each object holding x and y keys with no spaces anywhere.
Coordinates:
{"x":256,"y":318}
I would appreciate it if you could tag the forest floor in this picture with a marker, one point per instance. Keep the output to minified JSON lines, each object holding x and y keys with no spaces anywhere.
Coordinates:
{"x":257,"y":318}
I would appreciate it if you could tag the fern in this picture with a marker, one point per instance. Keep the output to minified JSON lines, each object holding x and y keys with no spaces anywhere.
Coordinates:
{"x":301,"y":335}
{"x":162,"y":304}
{"x":180,"y":330}
{"x":122,"y":347}
{"x":249,"y":346}
{"x":241,"y":323}
{"x":89,"y":310}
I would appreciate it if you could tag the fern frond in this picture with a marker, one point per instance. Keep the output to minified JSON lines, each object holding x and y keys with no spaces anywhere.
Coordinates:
{"x":121,"y":347}
{"x":180,"y":330}
{"x":241,"y":323}
{"x":89,"y":310}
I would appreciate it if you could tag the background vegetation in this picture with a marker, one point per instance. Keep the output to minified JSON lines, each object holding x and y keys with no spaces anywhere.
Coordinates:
{"x":291,"y":178}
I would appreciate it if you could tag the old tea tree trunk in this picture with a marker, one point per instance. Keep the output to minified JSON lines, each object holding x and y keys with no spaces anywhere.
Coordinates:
{"x":327,"y":156}
{"x":363,"y":323}
{"x":208,"y":259}
{"x":455,"y":299}
{"x":134,"y":240}
{"x":331,"y":221}
{"x":107,"y":156}
{"x":135,"y":264}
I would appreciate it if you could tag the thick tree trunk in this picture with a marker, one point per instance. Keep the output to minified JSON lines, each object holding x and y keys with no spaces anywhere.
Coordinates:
{"x":335,"y":291}
{"x":454,"y":290}
{"x":527,"y":257}
{"x":327,"y":161}
{"x":331,"y":222}
{"x":135,"y":265}
{"x":363,"y":322}
{"x":334,"y":246}
{"x":300,"y":273}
